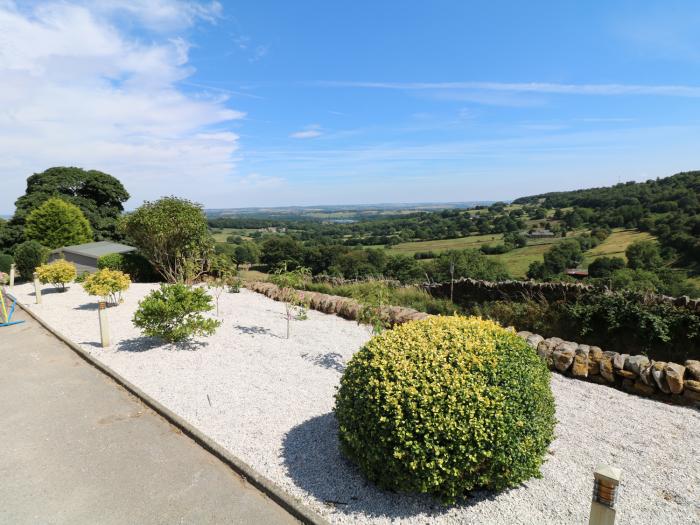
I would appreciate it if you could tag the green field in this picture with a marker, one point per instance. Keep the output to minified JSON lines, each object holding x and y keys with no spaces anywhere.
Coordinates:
{"x":461,"y":243}
{"x":518,"y":261}
{"x":616,"y":244}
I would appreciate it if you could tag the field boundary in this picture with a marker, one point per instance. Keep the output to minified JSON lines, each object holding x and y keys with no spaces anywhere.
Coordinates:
{"x":248,"y":473}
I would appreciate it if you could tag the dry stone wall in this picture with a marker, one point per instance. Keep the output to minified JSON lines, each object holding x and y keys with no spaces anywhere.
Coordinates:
{"x":472,"y":290}
{"x":341,"y":306}
{"x":635,"y":374}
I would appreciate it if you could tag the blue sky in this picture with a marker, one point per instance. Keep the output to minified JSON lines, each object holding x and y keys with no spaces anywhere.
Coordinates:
{"x":315,"y":102}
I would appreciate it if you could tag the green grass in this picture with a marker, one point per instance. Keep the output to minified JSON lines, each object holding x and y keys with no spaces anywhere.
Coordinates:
{"x":461,"y":243}
{"x":616,"y":244}
{"x":518,"y":261}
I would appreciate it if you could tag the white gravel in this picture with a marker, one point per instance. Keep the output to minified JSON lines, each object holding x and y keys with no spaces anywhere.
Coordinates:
{"x":269,"y":400}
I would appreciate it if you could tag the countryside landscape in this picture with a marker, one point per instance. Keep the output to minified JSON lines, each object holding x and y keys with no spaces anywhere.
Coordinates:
{"x":308,"y":297}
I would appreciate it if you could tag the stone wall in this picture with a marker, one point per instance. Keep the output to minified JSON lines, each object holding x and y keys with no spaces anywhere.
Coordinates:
{"x":472,"y":290}
{"x":633,"y":373}
{"x":340,"y":306}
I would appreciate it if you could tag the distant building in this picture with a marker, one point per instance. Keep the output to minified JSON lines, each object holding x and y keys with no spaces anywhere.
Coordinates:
{"x":85,"y":256}
{"x":540,"y":234}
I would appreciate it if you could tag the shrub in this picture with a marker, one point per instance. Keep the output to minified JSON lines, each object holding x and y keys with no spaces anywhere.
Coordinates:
{"x":59,"y":273}
{"x":4,"y":278}
{"x":28,"y":256}
{"x":107,"y":284}
{"x":173,"y":235}
{"x":444,"y":406}
{"x":58,"y":223}
{"x":82,"y":276}
{"x":5,"y":262}
{"x":174,"y":313}
{"x":132,"y":263}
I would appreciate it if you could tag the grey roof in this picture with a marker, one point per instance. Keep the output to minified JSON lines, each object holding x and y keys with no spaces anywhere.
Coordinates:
{"x":96,"y":249}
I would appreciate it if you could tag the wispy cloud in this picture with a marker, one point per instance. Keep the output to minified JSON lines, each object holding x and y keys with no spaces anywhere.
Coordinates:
{"x":77,"y":89}
{"x":309,"y":132}
{"x":669,"y":90}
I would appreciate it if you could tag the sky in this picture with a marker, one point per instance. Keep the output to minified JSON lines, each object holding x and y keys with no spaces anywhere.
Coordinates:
{"x":275,"y":103}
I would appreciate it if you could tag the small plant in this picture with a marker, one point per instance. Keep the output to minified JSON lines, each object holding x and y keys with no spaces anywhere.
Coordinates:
{"x":373,"y":297}
{"x":234,"y":286}
{"x":107,"y":284}
{"x":174,"y":313}
{"x":289,"y":283}
{"x":82,"y":276}
{"x":4,"y":278}
{"x":58,"y":273}
{"x":444,"y":406}
{"x":222,"y":272}
{"x":28,"y":256}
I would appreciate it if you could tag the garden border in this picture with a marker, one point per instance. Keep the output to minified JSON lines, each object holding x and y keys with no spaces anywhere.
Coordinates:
{"x":248,"y":473}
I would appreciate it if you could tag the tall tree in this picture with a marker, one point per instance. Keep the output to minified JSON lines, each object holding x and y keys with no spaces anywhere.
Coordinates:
{"x":173,"y":235}
{"x":57,"y":223}
{"x":98,"y":195}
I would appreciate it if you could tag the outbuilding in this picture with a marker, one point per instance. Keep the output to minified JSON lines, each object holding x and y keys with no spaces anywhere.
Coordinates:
{"x":85,"y":256}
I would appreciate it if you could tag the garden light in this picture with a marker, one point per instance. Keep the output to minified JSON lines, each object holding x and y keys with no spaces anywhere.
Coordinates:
{"x":606,"y":482}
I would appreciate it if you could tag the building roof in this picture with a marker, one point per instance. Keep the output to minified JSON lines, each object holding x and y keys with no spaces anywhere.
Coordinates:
{"x":96,"y":249}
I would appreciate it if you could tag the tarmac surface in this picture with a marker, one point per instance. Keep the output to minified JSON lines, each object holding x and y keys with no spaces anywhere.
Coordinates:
{"x":75,"y":447}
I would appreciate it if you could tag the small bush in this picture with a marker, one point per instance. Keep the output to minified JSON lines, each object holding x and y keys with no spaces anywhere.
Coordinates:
{"x":5,"y":262}
{"x":174,"y":313}
{"x":59,"y":273}
{"x":4,"y":278}
{"x":28,"y":256}
{"x":107,"y":284}
{"x":444,"y":406}
{"x":134,"y":264}
{"x":82,"y":276}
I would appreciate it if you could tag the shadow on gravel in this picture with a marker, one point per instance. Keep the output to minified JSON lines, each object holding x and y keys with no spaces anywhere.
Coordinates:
{"x":255,"y":330}
{"x":315,"y":464}
{"x":331,"y":361}
{"x":47,"y":291}
{"x":144,"y":344}
{"x":86,"y":306}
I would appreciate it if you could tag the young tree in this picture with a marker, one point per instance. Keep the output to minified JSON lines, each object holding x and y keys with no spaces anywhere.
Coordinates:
{"x":57,"y":223}
{"x":289,"y":282}
{"x":28,"y":256}
{"x":173,"y":235}
{"x":107,"y":284}
{"x":59,"y":273}
{"x":222,"y":273}
{"x":373,"y":297}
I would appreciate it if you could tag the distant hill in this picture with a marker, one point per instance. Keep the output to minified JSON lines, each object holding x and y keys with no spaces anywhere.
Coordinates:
{"x":669,"y":208}
{"x":346,"y":212}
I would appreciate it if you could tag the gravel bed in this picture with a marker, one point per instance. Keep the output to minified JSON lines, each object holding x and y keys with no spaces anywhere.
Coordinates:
{"x":269,"y":401}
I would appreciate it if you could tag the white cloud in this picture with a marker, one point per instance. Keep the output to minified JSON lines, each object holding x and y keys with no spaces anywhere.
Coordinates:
{"x":454,"y":88}
{"x":309,"y":132}
{"x":78,"y":89}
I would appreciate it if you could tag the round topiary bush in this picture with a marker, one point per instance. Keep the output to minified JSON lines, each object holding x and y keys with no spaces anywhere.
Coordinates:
{"x":446,"y":405}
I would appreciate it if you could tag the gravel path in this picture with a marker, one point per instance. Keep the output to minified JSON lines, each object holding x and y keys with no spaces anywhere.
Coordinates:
{"x":269,"y":401}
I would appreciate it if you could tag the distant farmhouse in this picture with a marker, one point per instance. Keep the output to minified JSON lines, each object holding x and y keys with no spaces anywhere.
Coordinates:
{"x":85,"y":256}
{"x":540,"y":234}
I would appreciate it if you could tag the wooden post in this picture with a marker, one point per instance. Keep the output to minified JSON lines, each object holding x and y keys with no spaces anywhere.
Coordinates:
{"x":104,"y":325}
{"x":12,"y":275}
{"x":37,"y":289}
{"x":605,"y":491}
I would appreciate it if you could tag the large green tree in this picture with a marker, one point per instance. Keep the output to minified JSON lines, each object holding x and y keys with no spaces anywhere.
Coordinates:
{"x":173,"y":235}
{"x":98,"y":195}
{"x":57,"y":223}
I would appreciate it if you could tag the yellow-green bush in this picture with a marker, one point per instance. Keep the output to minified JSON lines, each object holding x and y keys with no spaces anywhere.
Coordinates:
{"x":59,"y":273}
{"x":446,"y":405}
{"x":107,"y":284}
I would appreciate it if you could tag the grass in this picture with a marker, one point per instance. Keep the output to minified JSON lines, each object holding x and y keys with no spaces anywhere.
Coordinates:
{"x":518,"y":261}
{"x":252,"y":275}
{"x":461,"y":243}
{"x":226,"y":232}
{"x":616,"y":244}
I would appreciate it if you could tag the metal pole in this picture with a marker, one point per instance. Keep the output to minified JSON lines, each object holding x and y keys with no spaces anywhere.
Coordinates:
{"x":12,"y":275}
{"x":37,"y":289}
{"x":104,"y":326}
{"x":606,"y":481}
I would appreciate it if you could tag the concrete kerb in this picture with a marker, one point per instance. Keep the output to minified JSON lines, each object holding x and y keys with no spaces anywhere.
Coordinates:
{"x":265,"y":485}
